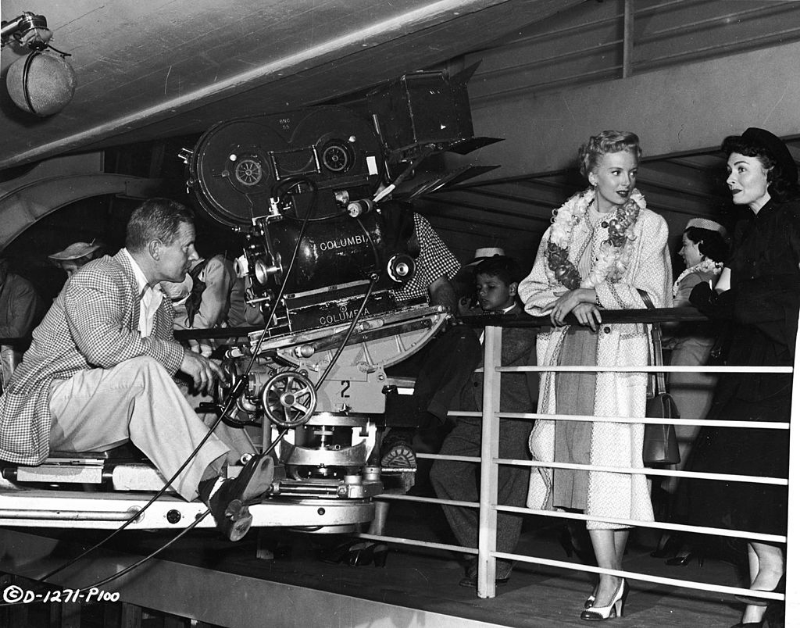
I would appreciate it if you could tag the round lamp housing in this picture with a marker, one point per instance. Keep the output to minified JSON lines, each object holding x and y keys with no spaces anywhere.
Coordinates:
{"x":41,"y":83}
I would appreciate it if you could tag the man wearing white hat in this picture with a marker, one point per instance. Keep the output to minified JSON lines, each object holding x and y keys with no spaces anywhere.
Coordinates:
{"x":485,"y":253}
{"x":76,"y":255}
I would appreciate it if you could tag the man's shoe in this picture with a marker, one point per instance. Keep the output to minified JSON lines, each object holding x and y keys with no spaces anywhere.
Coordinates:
{"x":229,"y":503}
{"x":502,"y":574}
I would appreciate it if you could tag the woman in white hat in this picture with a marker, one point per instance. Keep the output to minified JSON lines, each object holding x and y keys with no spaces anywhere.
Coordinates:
{"x":704,"y":251}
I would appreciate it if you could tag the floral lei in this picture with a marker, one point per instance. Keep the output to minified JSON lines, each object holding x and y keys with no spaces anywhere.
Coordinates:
{"x":614,"y":255}
{"x":706,"y":266}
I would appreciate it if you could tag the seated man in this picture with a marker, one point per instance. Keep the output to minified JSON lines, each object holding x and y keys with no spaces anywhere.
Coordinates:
{"x":99,"y":373}
{"x":212,"y":296}
{"x":497,"y":279}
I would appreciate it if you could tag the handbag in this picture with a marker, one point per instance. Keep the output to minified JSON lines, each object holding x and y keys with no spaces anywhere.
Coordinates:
{"x":660,"y":440}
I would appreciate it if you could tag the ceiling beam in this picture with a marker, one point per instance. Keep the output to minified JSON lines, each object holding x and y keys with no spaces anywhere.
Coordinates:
{"x":269,"y":69}
{"x":22,"y":207}
{"x":681,"y":109}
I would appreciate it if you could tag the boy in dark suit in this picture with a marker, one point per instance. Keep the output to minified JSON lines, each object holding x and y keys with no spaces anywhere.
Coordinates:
{"x":496,"y":280}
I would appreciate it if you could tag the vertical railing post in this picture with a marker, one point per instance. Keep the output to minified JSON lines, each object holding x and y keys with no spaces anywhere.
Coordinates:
{"x":793,"y":547}
{"x":490,"y":449}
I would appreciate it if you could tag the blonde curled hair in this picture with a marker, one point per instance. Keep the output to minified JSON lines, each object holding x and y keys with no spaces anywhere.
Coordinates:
{"x":607,"y":142}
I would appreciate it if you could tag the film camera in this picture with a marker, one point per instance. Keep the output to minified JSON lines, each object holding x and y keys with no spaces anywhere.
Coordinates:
{"x":326,"y":248}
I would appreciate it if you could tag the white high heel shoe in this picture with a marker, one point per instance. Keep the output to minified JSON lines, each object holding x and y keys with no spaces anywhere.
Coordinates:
{"x":614,"y":609}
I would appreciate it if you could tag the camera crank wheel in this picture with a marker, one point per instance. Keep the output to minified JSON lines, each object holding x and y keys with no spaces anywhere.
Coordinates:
{"x":289,"y":399}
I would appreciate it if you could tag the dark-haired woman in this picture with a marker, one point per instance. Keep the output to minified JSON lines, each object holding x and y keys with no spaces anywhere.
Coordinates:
{"x":759,"y":290}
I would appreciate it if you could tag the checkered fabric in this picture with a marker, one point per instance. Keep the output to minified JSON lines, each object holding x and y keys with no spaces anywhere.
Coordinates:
{"x":93,"y":323}
{"x":435,"y":260}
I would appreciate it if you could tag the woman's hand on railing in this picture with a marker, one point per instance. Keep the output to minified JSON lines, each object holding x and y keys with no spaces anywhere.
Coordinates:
{"x":588,"y":315}
{"x":567,"y":304}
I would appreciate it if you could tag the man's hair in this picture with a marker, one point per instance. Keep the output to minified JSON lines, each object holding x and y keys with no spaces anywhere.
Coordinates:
{"x":156,"y":219}
{"x":501,"y":266}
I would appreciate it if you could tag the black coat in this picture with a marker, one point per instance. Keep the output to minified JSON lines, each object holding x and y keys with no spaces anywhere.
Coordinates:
{"x":762,"y":307}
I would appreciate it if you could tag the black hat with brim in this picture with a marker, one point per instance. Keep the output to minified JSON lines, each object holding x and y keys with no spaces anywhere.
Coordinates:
{"x":775,"y":147}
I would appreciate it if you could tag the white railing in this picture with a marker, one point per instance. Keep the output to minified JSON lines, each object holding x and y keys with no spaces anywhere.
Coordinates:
{"x":490,"y":461}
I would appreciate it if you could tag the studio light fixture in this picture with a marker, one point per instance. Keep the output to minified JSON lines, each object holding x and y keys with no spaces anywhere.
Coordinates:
{"x":41,"y":83}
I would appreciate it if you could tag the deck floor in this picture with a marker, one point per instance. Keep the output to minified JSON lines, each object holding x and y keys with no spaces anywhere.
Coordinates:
{"x":536,"y":596}
{"x":427,"y":579}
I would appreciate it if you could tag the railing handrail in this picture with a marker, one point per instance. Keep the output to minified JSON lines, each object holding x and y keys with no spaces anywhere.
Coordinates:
{"x":487,"y":553}
{"x":688,"y":314}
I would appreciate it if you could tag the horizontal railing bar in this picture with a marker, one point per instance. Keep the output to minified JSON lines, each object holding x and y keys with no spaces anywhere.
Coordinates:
{"x":448,"y":457}
{"x":752,"y":479}
{"x":424,"y":500}
{"x":769,"y":425}
{"x":215,"y":332}
{"x":687,"y":584}
{"x":635,"y":523}
{"x":557,"y":514}
{"x":656,"y":315}
{"x":670,"y":473}
{"x":445,"y":457}
{"x":697,"y":475}
{"x":645,"y":369}
{"x":401,"y":541}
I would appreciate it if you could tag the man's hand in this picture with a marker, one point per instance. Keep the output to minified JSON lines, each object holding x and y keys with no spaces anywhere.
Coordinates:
{"x":441,"y":292}
{"x":202,"y":371}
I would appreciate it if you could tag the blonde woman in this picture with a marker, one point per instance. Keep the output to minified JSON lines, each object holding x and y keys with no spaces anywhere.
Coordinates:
{"x":604,"y":250}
